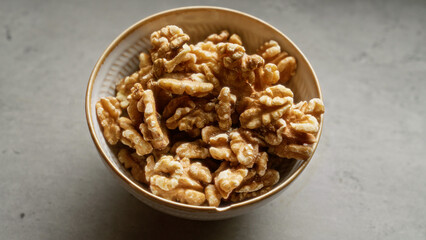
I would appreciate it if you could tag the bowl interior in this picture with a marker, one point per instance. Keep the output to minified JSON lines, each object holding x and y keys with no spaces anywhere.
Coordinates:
{"x":121,"y":59}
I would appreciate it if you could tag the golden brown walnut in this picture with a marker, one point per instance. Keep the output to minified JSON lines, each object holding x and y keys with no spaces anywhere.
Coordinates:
{"x":301,"y":122}
{"x":297,"y":125}
{"x":176,"y":103}
{"x":219,"y":143}
{"x":314,"y":107}
{"x":235,"y":58}
{"x":236,"y":39}
{"x":232,"y":146}
{"x":228,"y":180}
{"x":225,"y":108}
{"x":266,"y":106}
{"x":271,"y":52}
{"x":261,"y":164}
{"x":146,"y":75}
{"x":296,"y":151}
{"x":273,"y":133}
{"x":135,"y":163}
{"x":213,"y":196}
{"x":245,"y":151}
{"x":124,"y":88}
{"x":149,"y":167}
{"x":143,"y":76}
{"x":162,"y":65}
{"x":108,"y":111}
{"x":266,"y":76}
{"x":206,"y":52}
{"x":253,"y":182}
{"x":150,"y":128}
{"x":167,"y":39}
{"x":192,"y":150}
{"x":298,"y":136}
{"x":217,"y":38}
{"x":238,"y":83}
{"x":231,"y":53}
{"x":145,"y":61}
{"x":133,"y":138}
{"x":132,"y":110}
{"x":238,"y":197}
{"x":189,"y":115}
{"x":188,"y":86}
{"x":179,"y":180}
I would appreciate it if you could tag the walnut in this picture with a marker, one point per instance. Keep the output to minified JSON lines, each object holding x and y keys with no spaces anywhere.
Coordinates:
{"x":273,"y":133}
{"x":245,"y":151}
{"x":238,"y":197}
{"x":149,"y":168}
{"x":179,"y":180}
{"x":191,"y":115}
{"x":132,"y":110}
{"x":295,"y":126}
{"x":296,"y":151}
{"x":143,"y":75}
{"x":238,"y":82}
{"x":190,"y":87}
{"x":269,"y":50}
{"x":254,"y":182}
{"x":298,"y":135}
{"x":225,"y":108}
{"x":123,"y":88}
{"x":205,"y":52}
{"x":266,"y":106}
{"x":213,"y":196}
{"x":108,"y":111}
{"x":281,"y":131}
{"x":314,"y":107}
{"x":209,"y":132}
{"x":234,"y":38}
{"x":219,"y":144}
{"x":192,"y":150}
{"x":286,"y":64}
{"x":200,"y":172}
{"x":182,"y":195}
{"x":145,"y":61}
{"x":133,"y":138}
{"x":254,"y":186}
{"x":277,"y":95}
{"x":162,"y":65}
{"x":150,"y":128}
{"x":235,"y":57}
{"x":261,"y":163}
{"x":167,"y":39}
{"x":287,"y":67}
{"x":301,"y":122}
{"x":208,"y":70}
{"x":228,"y":180}
{"x":235,"y":146}
{"x":134,"y":162}
{"x":266,"y":76}
{"x":217,"y":38}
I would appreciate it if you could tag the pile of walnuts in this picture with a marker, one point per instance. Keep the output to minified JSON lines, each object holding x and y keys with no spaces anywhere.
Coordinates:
{"x":203,"y":122}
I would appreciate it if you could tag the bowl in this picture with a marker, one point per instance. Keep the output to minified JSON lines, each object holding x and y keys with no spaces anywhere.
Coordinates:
{"x":120,"y":59}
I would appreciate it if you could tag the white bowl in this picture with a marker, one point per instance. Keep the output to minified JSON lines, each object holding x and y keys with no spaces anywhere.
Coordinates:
{"x":121,"y":59}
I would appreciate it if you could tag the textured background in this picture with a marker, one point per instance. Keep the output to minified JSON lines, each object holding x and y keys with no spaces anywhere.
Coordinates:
{"x":366,"y":181}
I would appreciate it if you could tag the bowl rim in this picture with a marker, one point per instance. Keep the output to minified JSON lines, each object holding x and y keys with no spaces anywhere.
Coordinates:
{"x":133,"y":184}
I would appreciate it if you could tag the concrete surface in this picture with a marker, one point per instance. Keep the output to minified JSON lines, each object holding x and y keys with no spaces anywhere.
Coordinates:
{"x":366,"y":181}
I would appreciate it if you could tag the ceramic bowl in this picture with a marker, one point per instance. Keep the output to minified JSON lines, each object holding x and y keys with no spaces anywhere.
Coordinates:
{"x":121,"y":59}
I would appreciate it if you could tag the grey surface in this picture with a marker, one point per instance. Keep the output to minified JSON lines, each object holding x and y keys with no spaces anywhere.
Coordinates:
{"x":367,"y":178}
